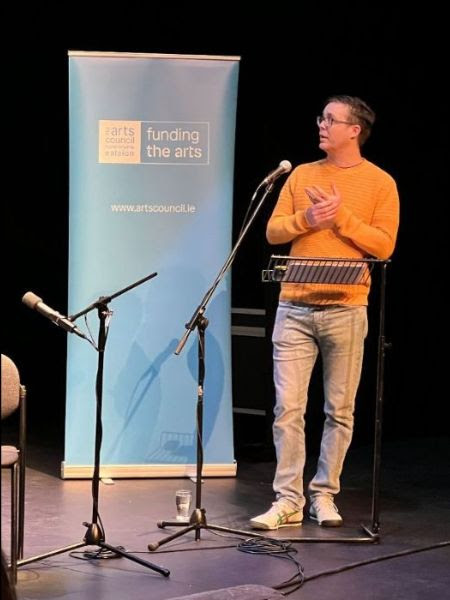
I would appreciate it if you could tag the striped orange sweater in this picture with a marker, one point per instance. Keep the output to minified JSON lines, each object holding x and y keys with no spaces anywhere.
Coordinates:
{"x":366,"y":225}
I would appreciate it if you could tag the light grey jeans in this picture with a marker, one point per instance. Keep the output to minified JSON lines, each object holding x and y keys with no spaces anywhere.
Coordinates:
{"x":300,"y":333}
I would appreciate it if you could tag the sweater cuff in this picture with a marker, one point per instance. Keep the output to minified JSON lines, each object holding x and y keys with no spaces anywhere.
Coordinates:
{"x":342,"y":217}
{"x":301,"y":221}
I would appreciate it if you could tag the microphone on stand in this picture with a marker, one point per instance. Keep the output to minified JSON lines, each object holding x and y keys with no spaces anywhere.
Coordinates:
{"x":284,"y":167}
{"x":35,"y":303}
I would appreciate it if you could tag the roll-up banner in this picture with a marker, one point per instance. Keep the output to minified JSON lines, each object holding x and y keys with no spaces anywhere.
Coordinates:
{"x":151,"y":185}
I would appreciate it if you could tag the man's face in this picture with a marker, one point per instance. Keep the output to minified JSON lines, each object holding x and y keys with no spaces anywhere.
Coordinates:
{"x":337,"y":131}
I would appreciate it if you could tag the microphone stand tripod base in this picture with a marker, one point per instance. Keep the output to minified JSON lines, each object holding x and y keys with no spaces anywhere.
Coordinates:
{"x":198,"y":517}
{"x":196,"y":523}
{"x":94,"y":534}
{"x":95,"y":537}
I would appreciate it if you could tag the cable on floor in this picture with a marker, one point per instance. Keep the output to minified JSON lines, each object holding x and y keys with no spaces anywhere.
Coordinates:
{"x":101,"y":553}
{"x":278,"y":549}
{"x":369,"y":561}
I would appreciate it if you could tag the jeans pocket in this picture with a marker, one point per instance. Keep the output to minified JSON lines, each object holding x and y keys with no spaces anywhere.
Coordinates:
{"x":279,"y":329}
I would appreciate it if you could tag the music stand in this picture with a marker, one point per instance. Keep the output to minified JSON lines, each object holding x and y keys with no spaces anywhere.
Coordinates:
{"x":95,"y":535}
{"x":329,"y":271}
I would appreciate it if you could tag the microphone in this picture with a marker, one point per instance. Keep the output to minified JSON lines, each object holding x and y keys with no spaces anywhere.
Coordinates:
{"x":284,"y":167}
{"x":35,"y":303}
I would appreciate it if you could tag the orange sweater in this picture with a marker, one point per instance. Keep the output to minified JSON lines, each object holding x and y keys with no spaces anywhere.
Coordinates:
{"x":366,"y":225}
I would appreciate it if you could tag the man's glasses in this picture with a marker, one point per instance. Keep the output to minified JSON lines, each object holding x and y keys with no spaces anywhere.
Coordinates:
{"x":329,"y":121}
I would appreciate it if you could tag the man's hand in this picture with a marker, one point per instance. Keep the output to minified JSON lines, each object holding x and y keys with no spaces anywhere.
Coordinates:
{"x":324,"y":207}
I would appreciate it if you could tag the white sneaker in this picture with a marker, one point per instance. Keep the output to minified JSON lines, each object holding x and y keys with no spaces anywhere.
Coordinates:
{"x":324,"y":511}
{"x":276,"y":517}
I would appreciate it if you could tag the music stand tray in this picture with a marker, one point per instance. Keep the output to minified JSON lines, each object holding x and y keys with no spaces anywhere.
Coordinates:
{"x":318,"y":270}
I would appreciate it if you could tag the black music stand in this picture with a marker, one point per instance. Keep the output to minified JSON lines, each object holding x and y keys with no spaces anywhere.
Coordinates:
{"x":95,"y":534}
{"x":299,"y":269}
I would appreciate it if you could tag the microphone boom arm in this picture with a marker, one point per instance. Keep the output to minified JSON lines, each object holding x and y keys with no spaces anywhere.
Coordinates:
{"x":199,"y":311}
{"x":106,"y":299}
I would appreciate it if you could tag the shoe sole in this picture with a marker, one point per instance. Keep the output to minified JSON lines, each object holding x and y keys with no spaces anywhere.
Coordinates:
{"x":258,"y":525}
{"x":328,"y":523}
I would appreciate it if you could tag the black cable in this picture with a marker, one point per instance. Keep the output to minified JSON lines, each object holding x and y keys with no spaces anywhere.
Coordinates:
{"x":278,"y":549}
{"x":103,"y":553}
{"x":377,"y":559}
{"x":91,"y":337}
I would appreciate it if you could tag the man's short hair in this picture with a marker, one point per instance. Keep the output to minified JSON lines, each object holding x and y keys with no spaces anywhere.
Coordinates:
{"x":360,"y":112}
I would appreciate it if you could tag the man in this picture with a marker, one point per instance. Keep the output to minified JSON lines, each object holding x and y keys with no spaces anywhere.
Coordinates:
{"x":342,"y":206}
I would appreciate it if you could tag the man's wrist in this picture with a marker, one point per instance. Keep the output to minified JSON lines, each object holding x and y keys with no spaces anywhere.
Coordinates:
{"x":307,"y":217}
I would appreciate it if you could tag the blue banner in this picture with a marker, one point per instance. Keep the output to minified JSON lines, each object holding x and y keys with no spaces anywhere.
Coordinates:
{"x":151,"y":184}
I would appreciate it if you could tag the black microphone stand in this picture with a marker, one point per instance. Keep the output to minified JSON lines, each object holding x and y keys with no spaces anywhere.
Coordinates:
{"x":95,"y":534}
{"x":198,"y":321}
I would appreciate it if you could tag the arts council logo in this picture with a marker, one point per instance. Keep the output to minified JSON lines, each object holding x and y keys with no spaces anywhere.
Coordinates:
{"x":119,"y":142}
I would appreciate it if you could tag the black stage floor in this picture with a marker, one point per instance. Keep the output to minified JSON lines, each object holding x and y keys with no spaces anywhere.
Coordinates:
{"x":412,"y":560}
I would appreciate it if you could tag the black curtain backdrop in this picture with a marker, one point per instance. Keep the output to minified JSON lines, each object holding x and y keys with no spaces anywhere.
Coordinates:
{"x":291,"y":60}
